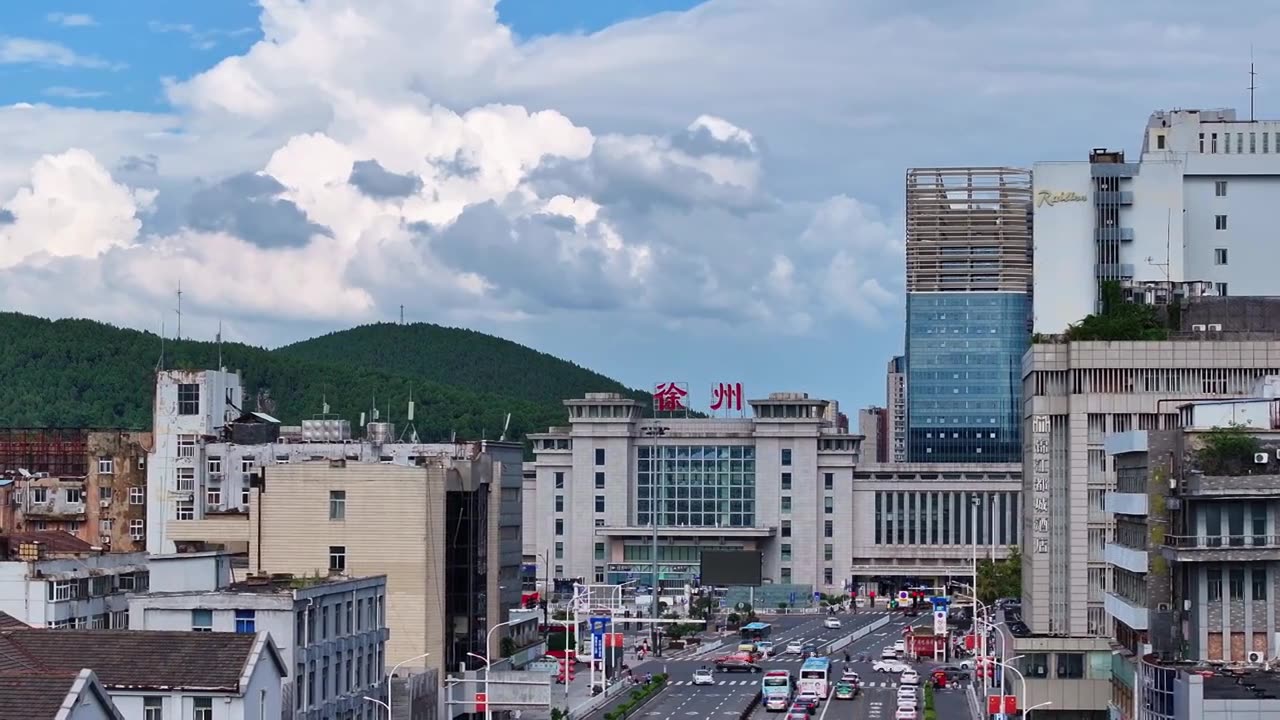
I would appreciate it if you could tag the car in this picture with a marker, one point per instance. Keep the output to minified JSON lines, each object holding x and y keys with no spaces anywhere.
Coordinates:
{"x":900,"y":647}
{"x":845,"y":691}
{"x":888,"y":654}
{"x":908,"y":702}
{"x":850,"y":676}
{"x":808,"y":700}
{"x":909,"y":677}
{"x":765,"y":648}
{"x":736,"y":664}
{"x":797,"y":713}
{"x":831,"y":623}
{"x":809,"y":649}
{"x":703,"y":676}
{"x":889,"y":666}
{"x":907,"y":691}
{"x":795,"y":648}
{"x":905,"y":713}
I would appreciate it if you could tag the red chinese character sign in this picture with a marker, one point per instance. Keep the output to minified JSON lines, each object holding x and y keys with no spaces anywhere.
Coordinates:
{"x":727,"y":397}
{"x":671,"y":397}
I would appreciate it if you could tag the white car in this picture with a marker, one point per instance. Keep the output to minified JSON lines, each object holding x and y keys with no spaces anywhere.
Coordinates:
{"x":888,"y":654}
{"x":765,"y":648}
{"x":900,"y":647}
{"x":833,"y":623}
{"x":905,"y":714}
{"x":889,"y":666}
{"x":907,"y":691}
{"x":703,"y":676}
{"x":909,"y":677}
{"x":908,"y":702}
{"x":795,"y":648}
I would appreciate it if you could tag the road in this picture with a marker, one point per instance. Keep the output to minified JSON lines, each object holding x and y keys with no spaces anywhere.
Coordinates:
{"x":733,"y":692}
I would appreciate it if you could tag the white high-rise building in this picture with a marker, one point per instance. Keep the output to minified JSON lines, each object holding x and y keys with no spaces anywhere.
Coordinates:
{"x":1194,"y":211}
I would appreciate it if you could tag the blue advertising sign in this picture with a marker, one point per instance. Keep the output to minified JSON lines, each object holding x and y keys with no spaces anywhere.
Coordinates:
{"x":793,"y":597}
{"x":817,"y":595}
{"x":599,"y":626}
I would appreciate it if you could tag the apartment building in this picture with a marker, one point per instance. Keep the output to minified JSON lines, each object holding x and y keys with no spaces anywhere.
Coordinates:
{"x":1195,"y":211}
{"x":873,"y":426}
{"x":968,"y":263}
{"x":89,"y":483}
{"x":896,"y":409}
{"x":54,"y":580}
{"x":917,"y":524}
{"x":1196,"y":559}
{"x":330,"y":630}
{"x":778,"y":482}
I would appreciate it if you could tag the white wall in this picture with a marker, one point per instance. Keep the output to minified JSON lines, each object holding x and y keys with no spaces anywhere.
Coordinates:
{"x":1064,"y":284}
{"x":1250,"y":206}
{"x":20,"y":598}
{"x":191,"y":572}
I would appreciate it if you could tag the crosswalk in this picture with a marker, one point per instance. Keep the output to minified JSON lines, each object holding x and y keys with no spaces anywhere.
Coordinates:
{"x":731,"y":683}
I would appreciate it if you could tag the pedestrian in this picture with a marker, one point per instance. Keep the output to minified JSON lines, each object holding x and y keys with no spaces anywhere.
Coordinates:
{"x":846,"y":656}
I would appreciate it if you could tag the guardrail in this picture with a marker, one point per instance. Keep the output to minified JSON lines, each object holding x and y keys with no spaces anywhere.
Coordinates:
{"x":705,"y":649}
{"x":595,"y":702}
{"x":975,"y":708}
{"x":857,"y":635}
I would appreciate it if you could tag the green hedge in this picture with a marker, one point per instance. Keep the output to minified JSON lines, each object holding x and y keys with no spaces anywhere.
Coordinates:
{"x":929,"y":712}
{"x":638,"y":696}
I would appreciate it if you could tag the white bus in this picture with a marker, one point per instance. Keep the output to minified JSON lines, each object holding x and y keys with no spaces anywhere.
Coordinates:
{"x":815,"y":676}
{"x":775,"y":690}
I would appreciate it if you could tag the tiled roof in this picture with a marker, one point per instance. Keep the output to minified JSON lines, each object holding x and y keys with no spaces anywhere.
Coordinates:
{"x":136,"y":658}
{"x":8,"y":622}
{"x":54,"y":541}
{"x":34,"y":697}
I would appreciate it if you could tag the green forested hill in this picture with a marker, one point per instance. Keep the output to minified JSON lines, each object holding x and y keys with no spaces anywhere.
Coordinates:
{"x":83,"y":373}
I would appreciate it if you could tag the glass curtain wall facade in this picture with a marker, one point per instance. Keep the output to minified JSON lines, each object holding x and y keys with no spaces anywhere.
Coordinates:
{"x":701,"y":486}
{"x":964,"y":367}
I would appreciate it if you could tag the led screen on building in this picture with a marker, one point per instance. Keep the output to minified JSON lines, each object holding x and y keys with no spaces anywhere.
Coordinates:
{"x":731,"y":567}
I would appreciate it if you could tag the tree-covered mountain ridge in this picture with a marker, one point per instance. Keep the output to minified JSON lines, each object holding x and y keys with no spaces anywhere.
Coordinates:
{"x":84,"y":373}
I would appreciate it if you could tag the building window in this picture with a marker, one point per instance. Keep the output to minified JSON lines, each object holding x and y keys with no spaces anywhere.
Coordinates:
{"x":106,"y":466}
{"x":201,"y":621}
{"x":828,"y":552}
{"x":137,"y":529}
{"x":827,"y":576}
{"x":75,"y":496}
{"x":786,"y":456}
{"x":152,"y":708}
{"x":185,"y":510}
{"x":786,"y":481}
{"x":104,"y":526}
{"x":202,"y":708}
{"x":1219,"y":222}
{"x":1222,"y":289}
{"x":186,"y":446}
{"x":828,"y":529}
{"x":599,"y":481}
{"x":599,"y":551}
{"x":559,"y":554}
{"x":337,"y":504}
{"x":786,"y":528}
{"x":1220,"y":256}
{"x":599,"y":456}
{"x":104,"y":493}
{"x":559,"y":526}
{"x":1202,"y":142}
{"x":1070,"y":666}
{"x":39,"y":495}
{"x":559,"y":503}
{"x":186,"y":480}
{"x":213,"y":498}
{"x":1260,"y":574}
{"x":559,"y":571}
{"x":137,"y":495}
{"x":786,"y":503}
{"x":246,"y":621}
{"x":1237,"y":583}
{"x":1214,"y":584}
{"x":1213,"y":142}
{"x":60,"y":590}
{"x":828,"y":505}
{"x":559,"y":481}
{"x":828,"y":481}
{"x":337,"y":558}
{"x":1240,"y":143}
{"x":215,"y":466}
{"x":188,"y":399}
{"x":1159,"y":142}
{"x":786,"y":576}
{"x":599,"y":503}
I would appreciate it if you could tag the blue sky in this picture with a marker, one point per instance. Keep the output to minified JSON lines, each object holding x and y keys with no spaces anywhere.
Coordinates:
{"x":660,"y":191}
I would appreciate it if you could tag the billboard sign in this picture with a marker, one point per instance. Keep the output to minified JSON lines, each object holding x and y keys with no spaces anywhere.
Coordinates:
{"x":598,"y":627}
{"x":732,"y":567}
{"x":939,"y":622}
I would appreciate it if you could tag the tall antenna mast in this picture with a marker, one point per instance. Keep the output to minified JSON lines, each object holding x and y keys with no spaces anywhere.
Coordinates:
{"x":219,"y":338}
{"x":179,"y":337}
{"x":402,"y":314}
{"x":160,"y":365}
{"x":1253,"y":85}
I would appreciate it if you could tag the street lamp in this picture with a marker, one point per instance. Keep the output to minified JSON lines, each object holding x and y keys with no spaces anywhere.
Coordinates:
{"x":488,"y":703}
{"x":384,"y":705}
{"x":1026,"y":714}
{"x":392,"y":674}
{"x":1008,"y":665}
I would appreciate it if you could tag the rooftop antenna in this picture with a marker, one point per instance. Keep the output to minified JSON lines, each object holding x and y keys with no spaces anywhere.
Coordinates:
{"x":1253,"y":85}
{"x":402,"y":314}
{"x":1168,"y":251}
{"x":219,"y":339}
{"x":505,"y":425}
{"x":409,"y":429}
{"x":160,"y":365}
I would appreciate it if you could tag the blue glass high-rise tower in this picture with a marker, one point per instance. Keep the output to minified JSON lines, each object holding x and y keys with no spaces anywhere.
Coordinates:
{"x":968,"y":312}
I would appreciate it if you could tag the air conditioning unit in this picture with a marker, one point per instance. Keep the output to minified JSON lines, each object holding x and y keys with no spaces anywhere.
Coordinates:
{"x":1197,"y":328}
{"x":104,"y":539}
{"x":1162,"y":607}
{"x":1261,"y":458}
{"x":104,"y":503}
{"x":1215,"y":327}
{"x":1256,"y":658}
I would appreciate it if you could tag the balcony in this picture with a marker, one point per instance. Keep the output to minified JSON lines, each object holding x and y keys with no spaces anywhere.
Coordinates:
{"x":1126,"y":557}
{"x":1113,"y":270}
{"x":1221,"y":548}
{"x":1113,"y":234}
{"x":1125,"y":611}
{"x":55,"y":510}
{"x":1122,"y":503}
{"x":1113,"y":197}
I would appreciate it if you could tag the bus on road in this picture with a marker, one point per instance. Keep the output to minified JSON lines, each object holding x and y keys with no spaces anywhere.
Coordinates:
{"x":815,"y":676}
{"x":776,"y":690}
{"x":756,"y":631}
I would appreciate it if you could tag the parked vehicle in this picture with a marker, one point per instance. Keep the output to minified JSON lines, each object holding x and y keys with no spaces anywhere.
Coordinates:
{"x":889,"y":666}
